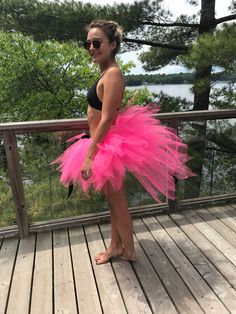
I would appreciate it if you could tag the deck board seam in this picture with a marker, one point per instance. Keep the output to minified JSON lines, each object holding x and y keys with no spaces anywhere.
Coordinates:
{"x":12,"y":275}
{"x":193,"y":265}
{"x":112,"y":266}
{"x":190,"y":291}
{"x":1,"y":242}
{"x":220,"y":224}
{"x":140,"y":282}
{"x":159,"y":277}
{"x":230,"y":224}
{"x":176,"y":306}
{"x":211,"y":240}
{"x":53,"y":273}
{"x":203,"y":252}
{"x":72,"y":268}
{"x":94,"y":275}
{"x":32,"y":274}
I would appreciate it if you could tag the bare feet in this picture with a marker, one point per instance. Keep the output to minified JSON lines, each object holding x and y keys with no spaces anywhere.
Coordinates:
{"x":104,"y":257}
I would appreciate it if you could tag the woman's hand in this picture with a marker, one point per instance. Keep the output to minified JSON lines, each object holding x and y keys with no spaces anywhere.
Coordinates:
{"x":86,"y":169}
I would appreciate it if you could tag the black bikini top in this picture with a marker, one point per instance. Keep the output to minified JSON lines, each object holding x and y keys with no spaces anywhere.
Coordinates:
{"x":92,"y":97}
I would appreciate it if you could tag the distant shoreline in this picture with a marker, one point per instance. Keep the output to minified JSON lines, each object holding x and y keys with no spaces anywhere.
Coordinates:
{"x":174,"y":90}
{"x":177,"y":78}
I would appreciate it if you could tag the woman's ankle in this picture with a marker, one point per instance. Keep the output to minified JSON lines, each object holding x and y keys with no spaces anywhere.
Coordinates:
{"x":115,"y":246}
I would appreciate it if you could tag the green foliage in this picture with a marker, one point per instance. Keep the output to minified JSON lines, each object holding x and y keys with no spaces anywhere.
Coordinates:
{"x":47,"y":80}
{"x":173,"y":104}
{"x":167,"y":103}
{"x":7,"y":211}
{"x":140,"y":79}
{"x":48,"y":77}
{"x":158,"y":57}
{"x":217,"y":49}
{"x":220,"y":160}
{"x":137,"y":97}
{"x":224,"y":97}
{"x":66,"y":20}
{"x":176,"y":78}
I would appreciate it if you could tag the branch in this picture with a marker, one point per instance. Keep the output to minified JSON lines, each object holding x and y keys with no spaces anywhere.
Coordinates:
{"x":153,"y":44}
{"x":220,"y":150}
{"x":171,"y":24}
{"x":193,"y":25}
{"x":225,"y":19}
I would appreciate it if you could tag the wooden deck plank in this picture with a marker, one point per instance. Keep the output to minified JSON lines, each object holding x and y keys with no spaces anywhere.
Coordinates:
{"x":110,"y":295}
{"x":213,"y":277}
{"x":19,"y":298}
{"x":7,"y":258}
{"x":1,"y":241}
{"x":173,"y":283}
{"x":42,"y":289}
{"x":224,"y":246}
{"x":229,"y":210}
{"x":196,"y":284}
{"x":64,"y":294}
{"x":181,"y":258}
{"x":228,"y":234}
{"x":132,"y":292}
{"x":155,"y":292}
{"x":223,"y":216}
{"x":87,"y":296}
{"x":225,"y":267}
{"x":233,"y":205}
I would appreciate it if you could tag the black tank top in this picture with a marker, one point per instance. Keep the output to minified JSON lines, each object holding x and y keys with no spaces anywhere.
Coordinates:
{"x":92,"y":97}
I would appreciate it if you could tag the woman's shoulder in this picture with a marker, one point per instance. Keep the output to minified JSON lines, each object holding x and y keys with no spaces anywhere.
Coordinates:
{"x":114,"y":75}
{"x":114,"y":71}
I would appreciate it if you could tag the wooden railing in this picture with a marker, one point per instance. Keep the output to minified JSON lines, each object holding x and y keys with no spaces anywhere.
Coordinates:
{"x":9,"y":131}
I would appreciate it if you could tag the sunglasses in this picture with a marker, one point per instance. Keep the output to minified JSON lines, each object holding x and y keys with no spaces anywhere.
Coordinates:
{"x":96,"y":44}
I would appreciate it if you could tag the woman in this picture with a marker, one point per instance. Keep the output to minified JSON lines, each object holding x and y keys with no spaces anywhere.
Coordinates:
{"x":120,"y":140}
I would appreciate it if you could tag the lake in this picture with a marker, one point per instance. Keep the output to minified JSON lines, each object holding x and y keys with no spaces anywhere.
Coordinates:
{"x":175,"y":90}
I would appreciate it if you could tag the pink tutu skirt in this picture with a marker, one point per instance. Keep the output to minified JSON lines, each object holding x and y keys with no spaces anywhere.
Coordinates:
{"x":137,"y":143}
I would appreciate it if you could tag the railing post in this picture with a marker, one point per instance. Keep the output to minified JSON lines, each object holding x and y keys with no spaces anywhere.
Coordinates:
{"x":13,"y":163}
{"x":173,"y":203}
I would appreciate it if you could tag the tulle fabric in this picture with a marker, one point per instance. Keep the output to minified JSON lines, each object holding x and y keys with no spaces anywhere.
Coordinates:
{"x":137,"y":143}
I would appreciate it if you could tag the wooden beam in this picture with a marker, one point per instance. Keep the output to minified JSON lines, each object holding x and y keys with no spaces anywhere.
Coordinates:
{"x":82,"y":123}
{"x":137,"y":211}
{"x":16,"y":181}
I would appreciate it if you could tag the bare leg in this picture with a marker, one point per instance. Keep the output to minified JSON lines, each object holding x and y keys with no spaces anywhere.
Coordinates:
{"x":115,"y":237}
{"x":122,"y":228}
{"x":115,"y":248}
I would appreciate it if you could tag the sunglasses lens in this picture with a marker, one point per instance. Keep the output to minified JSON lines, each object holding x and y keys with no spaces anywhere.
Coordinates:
{"x":87,"y":45}
{"x":96,"y":44}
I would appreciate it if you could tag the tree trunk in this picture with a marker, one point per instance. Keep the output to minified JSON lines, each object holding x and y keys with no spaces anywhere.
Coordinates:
{"x":207,"y":24}
{"x":201,"y":102}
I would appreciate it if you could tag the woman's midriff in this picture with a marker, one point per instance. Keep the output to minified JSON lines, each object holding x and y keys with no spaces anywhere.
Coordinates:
{"x":94,"y":117}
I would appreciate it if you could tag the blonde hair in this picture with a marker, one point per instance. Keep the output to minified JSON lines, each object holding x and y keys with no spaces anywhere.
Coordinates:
{"x":112,"y":30}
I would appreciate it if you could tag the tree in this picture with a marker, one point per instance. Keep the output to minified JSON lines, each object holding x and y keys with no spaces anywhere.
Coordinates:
{"x":65,"y":20}
{"x":49,"y":76}
{"x":144,"y":23}
{"x":219,"y":50}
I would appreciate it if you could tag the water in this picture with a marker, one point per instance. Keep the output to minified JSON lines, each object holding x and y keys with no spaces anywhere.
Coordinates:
{"x":174,"y":90}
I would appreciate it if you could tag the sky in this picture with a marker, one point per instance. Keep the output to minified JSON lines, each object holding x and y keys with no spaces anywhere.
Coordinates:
{"x":177,"y":7}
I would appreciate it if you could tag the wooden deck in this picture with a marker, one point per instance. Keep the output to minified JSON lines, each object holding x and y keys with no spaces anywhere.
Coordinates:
{"x":187,"y":264}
